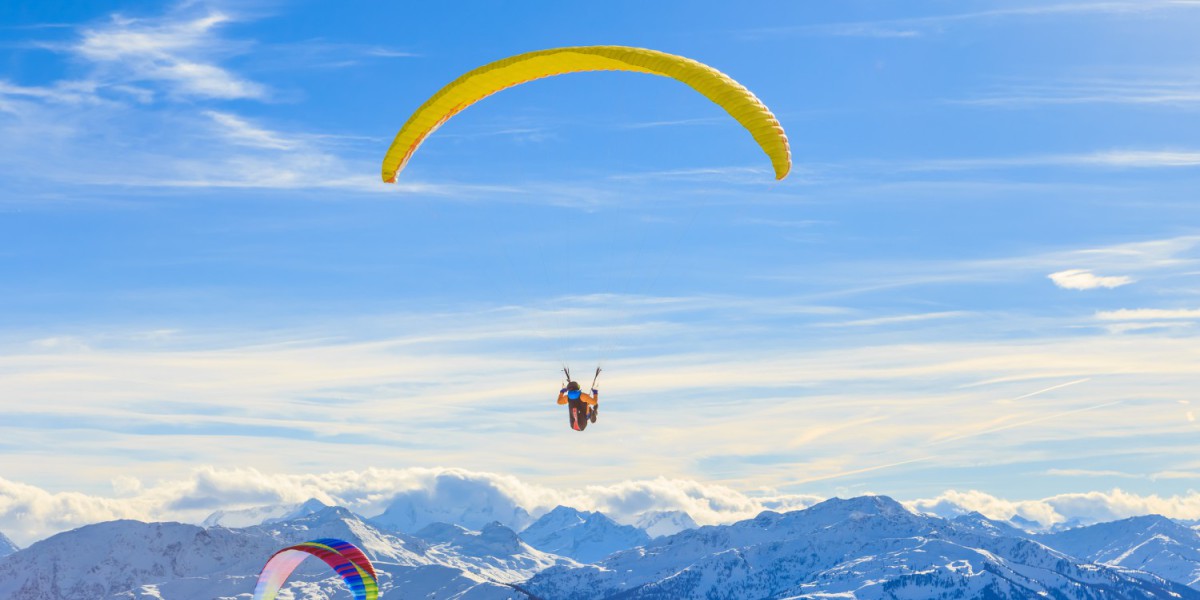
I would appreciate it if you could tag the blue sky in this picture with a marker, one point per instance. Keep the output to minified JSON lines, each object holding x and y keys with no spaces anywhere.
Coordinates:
{"x":983,"y":273}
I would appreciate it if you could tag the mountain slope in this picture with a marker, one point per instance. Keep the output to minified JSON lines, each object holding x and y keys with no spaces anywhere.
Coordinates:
{"x":664,"y":522}
{"x":584,"y":536}
{"x":250,"y":517}
{"x":6,"y":546}
{"x":1151,"y":543}
{"x":495,"y":552}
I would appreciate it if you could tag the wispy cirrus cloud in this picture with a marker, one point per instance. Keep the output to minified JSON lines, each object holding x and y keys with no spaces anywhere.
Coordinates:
{"x":1113,"y":159}
{"x":242,"y":132}
{"x":1089,"y":473}
{"x":132,"y":79}
{"x":678,"y":123}
{"x":919,"y":26}
{"x":1181,"y":93}
{"x":739,"y":175}
{"x":898,"y":319}
{"x":1144,"y":260}
{"x":63,"y":92}
{"x":1148,"y":314}
{"x":179,"y":52}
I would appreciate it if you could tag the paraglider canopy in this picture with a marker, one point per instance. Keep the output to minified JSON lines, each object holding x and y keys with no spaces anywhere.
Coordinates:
{"x":343,"y":557}
{"x":484,"y":81}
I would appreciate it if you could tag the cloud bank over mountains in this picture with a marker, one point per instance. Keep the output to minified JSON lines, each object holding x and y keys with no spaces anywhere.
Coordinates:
{"x":29,"y":513}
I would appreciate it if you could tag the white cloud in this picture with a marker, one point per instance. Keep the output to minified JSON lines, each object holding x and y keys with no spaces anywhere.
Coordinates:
{"x":1173,"y":92}
{"x":1089,"y":473}
{"x":63,"y":92}
{"x":1086,"y":507}
{"x":918,"y":26}
{"x":686,"y":398}
{"x":1139,"y":158}
{"x":898,"y":319}
{"x":144,"y":77}
{"x":179,"y":52}
{"x":1111,"y":159}
{"x":241,"y":131}
{"x":1161,"y":258}
{"x":1147,"y":314}
{"x":731,"y":175}
{"x":29,"y":513}
{"x":679,"y":122}
{"x":1083,"y":279}
{"x":1176,"y":474}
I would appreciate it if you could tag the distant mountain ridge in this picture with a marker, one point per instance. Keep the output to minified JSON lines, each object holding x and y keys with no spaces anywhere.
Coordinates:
{"x":664,"y":522}
{"x":1150,"y":543}
{"x":868,"y":548}
{"x":584,"y":536}
{"x":262,"y":515}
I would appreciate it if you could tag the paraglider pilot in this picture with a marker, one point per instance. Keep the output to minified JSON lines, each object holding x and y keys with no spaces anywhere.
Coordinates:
{"x":583,"y":406}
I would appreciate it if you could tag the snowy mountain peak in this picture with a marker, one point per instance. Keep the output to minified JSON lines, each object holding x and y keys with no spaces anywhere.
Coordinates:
{"x":498,"y":533}
{"x":1025,"y":524}
{"x":1150,"y":543}
{"x":441,"y":532}
{"x":6,"y":546}
{"x":583,"y":536}
{"x":330,"y":515}
{"x":863,"y":505}
{"x":1151,"y":523}
{"x":976,"y":522}
{"x":326,"y":513}
{"x":1134,"y":528}
{"x":246,"y":517}
{"x":308,"y":507}
{"x":493,"y":539}
{"x":664,"y":522}
{"x":560,"y":517}
{"x":453,"y":498}
{"x":767,"y":518}
{"x":262,"y":515}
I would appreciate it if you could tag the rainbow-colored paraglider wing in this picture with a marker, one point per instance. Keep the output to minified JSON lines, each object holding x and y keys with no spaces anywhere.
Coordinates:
{"x":484,"y":81}
{"x":357,"y":573}
{"x":351,"y":552}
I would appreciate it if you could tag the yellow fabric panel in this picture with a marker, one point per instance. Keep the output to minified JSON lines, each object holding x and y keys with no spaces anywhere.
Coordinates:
{"x":515,"y":70}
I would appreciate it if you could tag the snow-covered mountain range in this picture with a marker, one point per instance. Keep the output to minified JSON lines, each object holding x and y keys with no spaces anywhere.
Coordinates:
{"x":869,"y":547}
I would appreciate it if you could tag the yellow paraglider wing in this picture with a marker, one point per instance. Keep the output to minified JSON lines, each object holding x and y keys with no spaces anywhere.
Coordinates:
{"x":515,"y":70}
